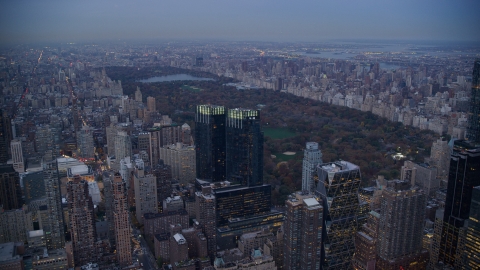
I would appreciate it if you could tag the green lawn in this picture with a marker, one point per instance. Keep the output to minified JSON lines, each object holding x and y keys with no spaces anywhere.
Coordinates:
{"x":281,"y":157}
{"x":191,"y":88}
{"x":278,"y":133}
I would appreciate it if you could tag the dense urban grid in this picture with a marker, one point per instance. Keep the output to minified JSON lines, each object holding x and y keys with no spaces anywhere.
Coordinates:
{"x":95,"y":174}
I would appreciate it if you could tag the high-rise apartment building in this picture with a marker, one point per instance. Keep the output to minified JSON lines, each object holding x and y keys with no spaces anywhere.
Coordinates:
{"x":123,"y":145}
{"x":138,"y":95}
{"x":54,"y":224}
{"x":163,"y":175}
{"x":210,"y":142}
{"x":145,"y":186}
{"x":151,"y":106}
{"x":338,"y":188}
{"x":464,"y":174}
{"x":44,"y":139}
{"x":82,"y":221}
{"x":10,"y":190}
{"x":303,"y":232}
{"x":244,"y":147}
{"x":205,"y":214}
{"x":109,"y":205}
{"x":145,"y":144}
{"x":400,"y":233}
{"x":85,"y":143}
{"x":17,"y":155}
{"x":121,"y":221}
{"x":422,"y":175}
{"x":14,"y":224}
{"x":365,"y":256}
{"x":312,"y":156}
{"x":181,"y":159}
{"x":473,"y":127}
{"x":440,"y":158}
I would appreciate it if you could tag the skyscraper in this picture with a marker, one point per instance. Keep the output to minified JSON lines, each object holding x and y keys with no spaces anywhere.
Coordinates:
{"x":464,"y":174}
{"x":338,"y":187}
{"x":53,"y":228}
{"x":473,"y":127}
{"x":303,"y":232}
{"x":400,"y":233}
{"x":10,"y":190}
{"x":121,"y":221}
{"x":82,"y":221}
{"x":470,"y":256}
{"x":17,"y":155}
{"x":244,"y":147}
{"x":312,"y":156}
{"x":210,"y":142}
{"x":5,"y":136}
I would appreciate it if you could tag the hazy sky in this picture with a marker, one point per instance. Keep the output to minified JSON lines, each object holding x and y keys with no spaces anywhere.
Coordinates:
{"x":263,"y":20}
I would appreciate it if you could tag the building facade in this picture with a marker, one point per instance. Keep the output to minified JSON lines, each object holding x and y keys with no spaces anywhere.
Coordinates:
{"x":338,"y":188}
{"x":82,"y":221}
{"x":244,"y":146}
{"x":210,"y":142}
{"x":303,"y":232}
{"x":312,"y":156}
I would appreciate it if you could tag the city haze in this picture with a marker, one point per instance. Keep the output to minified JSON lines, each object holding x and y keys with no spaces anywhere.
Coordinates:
{"x":85,"y":21}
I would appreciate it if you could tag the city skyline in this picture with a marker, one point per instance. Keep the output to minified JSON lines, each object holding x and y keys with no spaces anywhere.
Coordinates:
{"x":89,"y":21}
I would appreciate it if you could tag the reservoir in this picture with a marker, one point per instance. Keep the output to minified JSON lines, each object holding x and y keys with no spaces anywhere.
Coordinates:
{"x":176,"y":77}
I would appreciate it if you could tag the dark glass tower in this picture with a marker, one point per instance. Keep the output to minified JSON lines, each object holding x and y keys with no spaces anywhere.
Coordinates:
{"x":244,"y":147}
{"x":473,"y":128}
{"x":464,"y":174}
{"x":5,"y":136}
{"x":210,"y":142}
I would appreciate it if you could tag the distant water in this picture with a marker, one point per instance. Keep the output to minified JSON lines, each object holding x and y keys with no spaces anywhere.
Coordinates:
{"x":176,"y":77}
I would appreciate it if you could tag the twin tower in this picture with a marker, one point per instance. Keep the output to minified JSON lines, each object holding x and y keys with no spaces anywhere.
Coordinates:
{"x":229,"y":145}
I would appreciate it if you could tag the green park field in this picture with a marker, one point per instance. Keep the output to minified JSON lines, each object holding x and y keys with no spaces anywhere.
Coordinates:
{"x":278,"y":133}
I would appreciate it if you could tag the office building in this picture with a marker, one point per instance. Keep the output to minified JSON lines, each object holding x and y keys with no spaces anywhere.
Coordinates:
{"x":464,"y":174}
{"x":473,"y":127}
{"x":17,"y":155}
{"x":303,"y":232}
{"x":400,"y":233}
{"x":312,"y":156}
{"x":33,"y":185}
{"x":86,"y":148}
{"x":244,"y":147}
{"x":145,"y":186}
{"x":54,"y":223}
{"x":470,"y":251}
{"x":181,"y":159}
{"x":10,"y":190}
{"x":210,"y":143}
{"x":144,"y":144}
{"x":5,"y":136}
{"x":121,"y":221}
{"x":338,"y":188}
{"x":82,"y":221}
